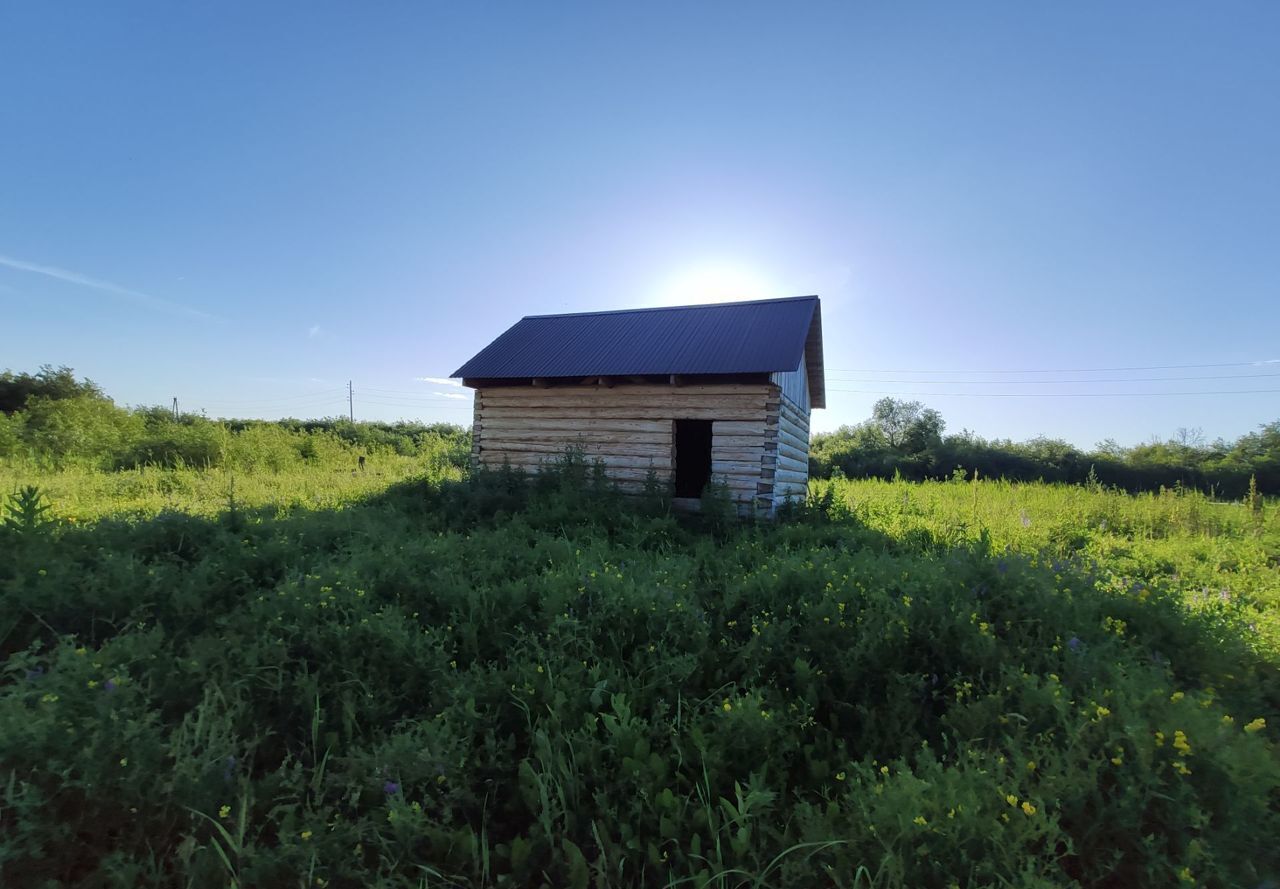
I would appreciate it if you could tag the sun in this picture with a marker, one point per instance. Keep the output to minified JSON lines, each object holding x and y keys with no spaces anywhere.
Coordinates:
{"x":714,"y":282}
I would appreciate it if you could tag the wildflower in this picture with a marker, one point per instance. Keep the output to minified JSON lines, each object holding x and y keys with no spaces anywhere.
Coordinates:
{"x":306,"y":835}
{"x":1185,"y":875}
{"x":1176,"y":696}
{"x":1011,"y":800}
{"x":840,"y":776}
{"x":124,"y":761}
{"x":920,"y":820}
{"x":453,"y":664}
{"x":391,"y":787}
{"x":1227,"y":720}
{"x":224,"y":812}
{"x":1181,"y":767}
{"x":1180,"y":742}
{"x":81,"y":651}
{"x":726,"y":706}
{"x":884,"y":770}
{"x":109,"y":685}
{"x":92,"y":683}
{"x":1159,"y":739}
{"x":1028,"y":809}
{"x":1031,"y":766}
{"x":540,"y":670}
{"x":49,"y":699}
{"x":1256,"y":726}
{"x":1073,"y":643}
{"x":1117,"y":760}
{"x":1102,"y":712}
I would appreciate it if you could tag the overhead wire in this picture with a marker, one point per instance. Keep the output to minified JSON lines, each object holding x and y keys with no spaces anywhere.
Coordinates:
{"x":1067,"y":382}
{"x":1053,"y":394}
{"x":1059,"y":369}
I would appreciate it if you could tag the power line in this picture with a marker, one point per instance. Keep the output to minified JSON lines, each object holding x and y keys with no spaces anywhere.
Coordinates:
{"x":1059,"y":370}
{"x":1050,"y":382}
{"x":1054,"y":394}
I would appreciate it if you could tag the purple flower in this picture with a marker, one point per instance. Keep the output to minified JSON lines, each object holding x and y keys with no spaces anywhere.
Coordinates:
{"x":390,"y":788}
{"x":109,"y":685}
{"x":1002,"y":566}
{"x":1073,"y":643}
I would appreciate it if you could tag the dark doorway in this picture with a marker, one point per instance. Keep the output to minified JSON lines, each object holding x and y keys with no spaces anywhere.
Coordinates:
{"x":693,"y":457}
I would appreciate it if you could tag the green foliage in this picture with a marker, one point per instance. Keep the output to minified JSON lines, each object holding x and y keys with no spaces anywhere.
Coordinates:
{"x":60,"y":422}
{"x":515,"y":681}
{"x":49,"y":383}
{"x":25,"y":510}
{"x":906,"y":438}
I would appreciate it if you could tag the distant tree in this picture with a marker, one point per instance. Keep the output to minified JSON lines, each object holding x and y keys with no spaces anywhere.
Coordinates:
{"x":54,"y":384}
{"x":907,"y":425}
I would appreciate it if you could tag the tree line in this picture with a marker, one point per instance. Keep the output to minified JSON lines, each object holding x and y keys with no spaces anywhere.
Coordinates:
{"x":52,"y":418}
{"x":906,"y":438}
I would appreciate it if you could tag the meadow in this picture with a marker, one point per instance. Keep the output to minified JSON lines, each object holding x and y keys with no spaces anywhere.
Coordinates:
{"x":315,"y":676}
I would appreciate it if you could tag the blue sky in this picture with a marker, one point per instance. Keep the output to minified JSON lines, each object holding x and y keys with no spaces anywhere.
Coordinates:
{"x":246,"y":205}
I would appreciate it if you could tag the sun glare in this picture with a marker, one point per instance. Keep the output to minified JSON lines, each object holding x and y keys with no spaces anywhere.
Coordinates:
{"x":714,"y":283}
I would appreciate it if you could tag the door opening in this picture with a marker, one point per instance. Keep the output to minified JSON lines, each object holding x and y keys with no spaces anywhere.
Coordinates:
{"x":693,"y":456}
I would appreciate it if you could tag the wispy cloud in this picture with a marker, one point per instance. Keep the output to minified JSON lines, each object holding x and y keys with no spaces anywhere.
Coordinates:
{"x":450,"y":394}
{"x":313,"y":331}
{"x":145,"y":299}
{"x":1268,"y":361}
{"x":439,"y":381}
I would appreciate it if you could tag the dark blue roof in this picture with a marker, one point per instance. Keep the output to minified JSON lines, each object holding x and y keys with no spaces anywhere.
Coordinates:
{"x":725,"y":338}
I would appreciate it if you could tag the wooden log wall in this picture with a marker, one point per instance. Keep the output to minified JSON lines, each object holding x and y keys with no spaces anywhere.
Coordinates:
{"x":629,"y":428}
{"x":790,"y":476}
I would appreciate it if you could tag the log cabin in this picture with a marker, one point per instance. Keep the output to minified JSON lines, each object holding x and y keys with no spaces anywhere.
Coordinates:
{"x":696,"y":394}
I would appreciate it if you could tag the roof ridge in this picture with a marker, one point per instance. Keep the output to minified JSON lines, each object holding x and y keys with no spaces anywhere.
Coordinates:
{"x":744,"y":302}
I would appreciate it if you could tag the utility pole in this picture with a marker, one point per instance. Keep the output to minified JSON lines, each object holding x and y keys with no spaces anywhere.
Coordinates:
{"x":351,"y":402}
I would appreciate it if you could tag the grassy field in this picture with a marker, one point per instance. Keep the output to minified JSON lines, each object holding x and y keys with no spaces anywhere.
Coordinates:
{"x":399,"y":678}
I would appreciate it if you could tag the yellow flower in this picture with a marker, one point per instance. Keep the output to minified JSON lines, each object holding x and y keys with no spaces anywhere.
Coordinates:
{"x":92,"y":683}
{"x":1011,"y":800}
{"x":1180,"y":742}
{"x":1028,"y":809}
{"x":82,"y":651}
{"x":726,"y":706}
{"x":884,"y":770}
{"x":1185,"y":875}
{"x":1102,"y":711}
{"x":224,"y":812}
{"x":840,"y":776}
{"x":540,"y":670}
{"x":1181,"y":767}
{"x":306,"y":835}
{"x":920,"y":820}
{"x":1256,"y":726}
{"x":1176,"y":696}
{"x":1227,"y":720}
{"x":1159,"y":739}
{"x":49,"y":699}
{"x":1117,"y":760}
{"x":124,"y":761}
{"x":1031,"y":766}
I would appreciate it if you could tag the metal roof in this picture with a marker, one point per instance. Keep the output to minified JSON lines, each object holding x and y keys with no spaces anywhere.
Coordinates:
{"x":762,"y":336}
